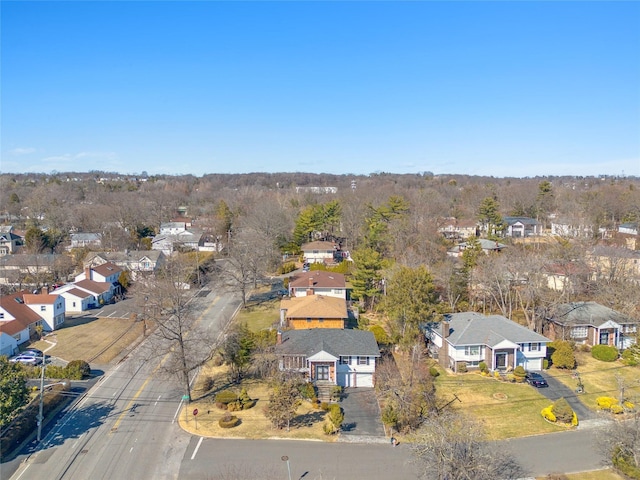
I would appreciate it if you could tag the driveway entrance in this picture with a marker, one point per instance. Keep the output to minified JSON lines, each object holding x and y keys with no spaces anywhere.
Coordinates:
{"x":361,"y":417}
{"x":557,"y":389}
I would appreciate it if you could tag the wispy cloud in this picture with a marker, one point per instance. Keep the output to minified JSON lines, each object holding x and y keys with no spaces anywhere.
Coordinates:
{"x":22,"y":151}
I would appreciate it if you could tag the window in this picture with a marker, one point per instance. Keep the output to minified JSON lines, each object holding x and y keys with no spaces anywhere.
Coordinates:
{"x":321,"y":320}
{"x":579,"y":332}
{"x":363,"y":360}
{"x":534,"y":347}
{"x":1,"y":315}
{"x":308,"y":320}
{"x":345,"y":360}
{"x":472,"y":350}
{"x":74,"y":304}
{"x":43,"y":308}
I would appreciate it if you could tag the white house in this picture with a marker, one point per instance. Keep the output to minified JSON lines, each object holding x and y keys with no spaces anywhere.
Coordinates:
{"x":77,"y":300}
{"x":330,"y":356}
{"x":470,"y":338}
{"x":89,"y":240}
{"x":519,"y":227}
{"x":318,"y":282}
{"x":51,"y":307}
{"x":137,"y":262}
{"x":17,"y":320}
{"x":319,"y":252}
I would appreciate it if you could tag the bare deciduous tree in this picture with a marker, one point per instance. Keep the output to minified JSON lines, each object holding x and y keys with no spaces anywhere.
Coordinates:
{"x":175,"y":333}
{"x":453,"y":447}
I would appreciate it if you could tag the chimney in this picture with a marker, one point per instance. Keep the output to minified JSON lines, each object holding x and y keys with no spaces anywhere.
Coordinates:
{"x":45,"y":290}
{"x":310,"y":289}
{"x":445,"y":329}
{"x":279,"y":338}
{"x":87,"y":273}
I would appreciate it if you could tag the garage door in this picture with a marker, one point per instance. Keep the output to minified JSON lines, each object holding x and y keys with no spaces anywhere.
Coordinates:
{"x":534,"y":365}
{"x":363,"y":380}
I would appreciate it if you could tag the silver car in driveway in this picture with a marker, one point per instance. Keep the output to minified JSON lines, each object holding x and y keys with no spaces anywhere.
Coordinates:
{"x":27,"y":360}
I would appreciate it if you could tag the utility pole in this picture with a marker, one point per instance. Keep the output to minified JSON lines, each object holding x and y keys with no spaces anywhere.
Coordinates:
{"x":41,"y":407}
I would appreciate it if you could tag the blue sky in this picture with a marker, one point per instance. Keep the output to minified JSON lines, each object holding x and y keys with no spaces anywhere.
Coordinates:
{"x":480,"y":88}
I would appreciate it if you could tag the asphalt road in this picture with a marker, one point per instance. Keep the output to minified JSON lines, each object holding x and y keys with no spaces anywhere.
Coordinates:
{"x":125,"y":427}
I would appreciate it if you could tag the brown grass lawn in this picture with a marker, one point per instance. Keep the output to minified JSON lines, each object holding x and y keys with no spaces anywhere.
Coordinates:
{"x":254,"y":424}
{"x":606,"y":474}
{"x":260,"y":316}
{"x":83,"y":339}
{"x":507,"y":410}
{"x":601,"y":379}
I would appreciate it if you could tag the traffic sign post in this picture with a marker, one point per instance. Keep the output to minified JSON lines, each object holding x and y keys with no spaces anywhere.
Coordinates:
{"x":195,"y":416}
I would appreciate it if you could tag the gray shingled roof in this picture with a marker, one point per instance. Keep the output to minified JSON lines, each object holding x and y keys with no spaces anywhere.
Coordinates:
{"x":471,"y":328}
{"x":335,"y":341}
{"x":587,"y":313}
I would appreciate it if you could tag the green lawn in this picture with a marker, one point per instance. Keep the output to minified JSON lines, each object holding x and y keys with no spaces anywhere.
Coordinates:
{"x":601,"y":379}
{"x":507,"y":410}
{"x":260,"y":316}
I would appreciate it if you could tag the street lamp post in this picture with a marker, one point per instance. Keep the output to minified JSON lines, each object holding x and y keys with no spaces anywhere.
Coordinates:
{"x":284,"y":458}
{"x":41,"y":407}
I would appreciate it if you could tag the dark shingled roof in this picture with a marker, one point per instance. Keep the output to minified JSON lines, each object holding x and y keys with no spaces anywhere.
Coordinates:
{"x":471,"y":328}
{"x":335,"y":341}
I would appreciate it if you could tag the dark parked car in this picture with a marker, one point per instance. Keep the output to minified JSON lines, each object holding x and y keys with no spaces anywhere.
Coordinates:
{"x":536,"y":380}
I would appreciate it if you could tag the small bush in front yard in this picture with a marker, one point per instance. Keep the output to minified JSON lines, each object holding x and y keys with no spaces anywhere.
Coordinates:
{"x":462,"y":367}
{"x":547,"y":413}
{"x":519,"y":373}
{"x":433,"y":371}
{"x":334,"y":419}
{"x":631,"y":356}
{"x":226,"y":397}
{"x":604,"y":353}
{"x":545,"y":364}
{"x":228,"y":421}
{"x":307,"y":390}
{"x":562,"y":410}
{"x":483,"y":367}
{"x":78,"y":369}
{"x":605,"y":403}
{"x":245,"y":401}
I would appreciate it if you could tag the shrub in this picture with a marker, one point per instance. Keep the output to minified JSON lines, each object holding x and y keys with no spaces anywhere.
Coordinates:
{"x":563,"y":356}
{"x":605,"y":403}
{"x":335,"y":417}
{"x":604,"y":353}
{"x":628,"y":405}
{"x":226,"y":397}
{"x":496,"y":374}
{"x":562,"y":410}
{"x":324,"y":406}
{"x":433,"y":371}
{"x":307,"y":390}
{"x":234,"y":406}
{"x":390,"y":415}
{"x":483,"y":367}
{"x":616,"y":409}
{"x":228,"y":421}
{"x":519,"y":371}
{"x":286,"y":268}
{"x":511,"y":377}
{"x":545,"y":364}
{"x":625,"y":463}
{"x":77,"y":370}
{"x":220,"y":405}
{"x":380,"y":335}
{"x":207,"y":383}
{"x":574,"y":420}
{"x":547,"y":414}
{"x":336,"y":393}
{"x":631,"y":357}
{"x":462,"y":367}
{"x":585,"y":347}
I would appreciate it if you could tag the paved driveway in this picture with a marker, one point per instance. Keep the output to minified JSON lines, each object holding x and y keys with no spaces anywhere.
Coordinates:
{"x":557,"y":389}
{"x":361,"y":417}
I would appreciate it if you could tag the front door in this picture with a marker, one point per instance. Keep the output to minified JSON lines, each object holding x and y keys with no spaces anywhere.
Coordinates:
{"x":501,"y":360}
{"x":322,"y":372}
{"x":604,"y":337}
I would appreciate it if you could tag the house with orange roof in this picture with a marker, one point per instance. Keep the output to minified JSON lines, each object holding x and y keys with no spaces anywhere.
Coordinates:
{"x":313,"y":311}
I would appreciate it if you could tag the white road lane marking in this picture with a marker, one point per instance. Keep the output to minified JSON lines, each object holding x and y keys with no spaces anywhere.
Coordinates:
{"x":197,"y":447}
